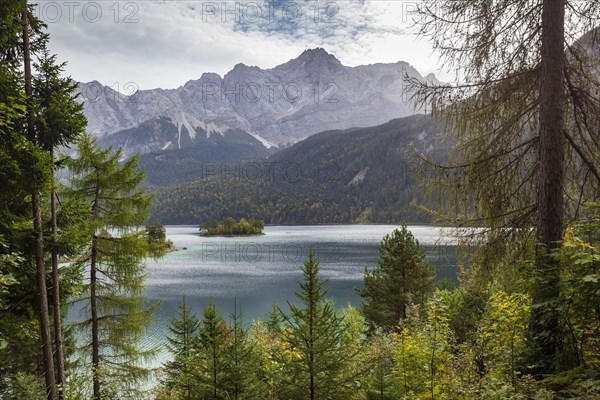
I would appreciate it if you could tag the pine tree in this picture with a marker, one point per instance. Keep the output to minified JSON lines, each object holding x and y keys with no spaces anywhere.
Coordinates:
{"x":118,"y":317}
{"x":182,"y":343}
{"x":401,"y":277}
{"x":314,"y":336}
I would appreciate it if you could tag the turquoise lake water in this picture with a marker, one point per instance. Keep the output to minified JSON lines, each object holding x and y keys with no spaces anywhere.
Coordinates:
{"x":260,"y":271}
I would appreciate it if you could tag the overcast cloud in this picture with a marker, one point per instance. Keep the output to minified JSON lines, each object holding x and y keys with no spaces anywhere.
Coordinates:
{"x":166,"y":43}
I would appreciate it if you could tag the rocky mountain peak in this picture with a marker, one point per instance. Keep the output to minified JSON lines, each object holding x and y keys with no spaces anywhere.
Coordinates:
{"x":283,"y":105}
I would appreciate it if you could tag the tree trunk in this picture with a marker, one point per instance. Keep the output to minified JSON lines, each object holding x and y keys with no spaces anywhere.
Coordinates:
{"x":311,"y":342}
{"x":37,"y":224}
{"x":60,"y":360}
{"x":93,"y":299}
{"x":544,"y":316}
{"x":94,"y":310}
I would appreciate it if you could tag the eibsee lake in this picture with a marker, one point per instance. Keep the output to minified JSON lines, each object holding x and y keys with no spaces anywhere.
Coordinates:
{"x":259,"y":271}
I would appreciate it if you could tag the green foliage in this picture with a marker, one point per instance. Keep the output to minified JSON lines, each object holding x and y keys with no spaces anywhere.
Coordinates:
{"x":117,"y":247}
{"x":227,"y":359}
{"x":209,"y":368}
{"x":502,"y":335}
{"x":242,"y":380}
{"x":212,"y":360}
{"x":313,"y":336}
{"x":156,"y":234}
{"x":182,"y":342}
{"x":381,"y":382}
{"x":457,"y":344}
{"x":269,"y":349}
{"x":25,"y":386}
{"x":231,"y":228}
{"x":401,"y":277}
{"x":423,"y":351}
{"x":311,"y":182}
{"x":59,"y":114}
{"x":580,"y":292}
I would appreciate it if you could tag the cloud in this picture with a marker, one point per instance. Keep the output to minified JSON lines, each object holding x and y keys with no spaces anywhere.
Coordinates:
{"x":166,"y":43}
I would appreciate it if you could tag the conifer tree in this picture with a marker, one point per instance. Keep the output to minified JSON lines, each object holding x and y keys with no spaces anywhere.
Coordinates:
{"x":401,"y":277}
{"x":211,"y":355}
{"x":117,"y":316}
{"x":524,"y":113}
{"x":182,"y":342}
{"x":59,"y":121}
{"x":241,"y":378}
{"x":314,"y":335}
{"x":25,"y":172}
{"x":37,"y":179}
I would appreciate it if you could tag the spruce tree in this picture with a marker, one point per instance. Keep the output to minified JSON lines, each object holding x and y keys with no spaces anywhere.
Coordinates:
{"x":182,"y":342}
{"x":210,"y":369}
{"x":241,"y":362}
{"x":117,"y":317}
{"x":59,"y":121}
{"x":314,"y":335}
{"x":24,"y":175}
{"x":401,"y":277}
{"x":37,"y":179}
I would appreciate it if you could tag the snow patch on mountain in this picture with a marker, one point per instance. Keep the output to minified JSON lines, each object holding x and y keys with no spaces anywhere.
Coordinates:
{"x":279,"y":106}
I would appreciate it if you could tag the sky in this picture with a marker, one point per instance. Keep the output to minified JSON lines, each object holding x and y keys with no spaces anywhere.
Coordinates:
{"x":132,"y":45}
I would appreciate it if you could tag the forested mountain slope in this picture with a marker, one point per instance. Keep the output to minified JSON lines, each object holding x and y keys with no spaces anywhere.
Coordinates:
{"x":357,"y":175}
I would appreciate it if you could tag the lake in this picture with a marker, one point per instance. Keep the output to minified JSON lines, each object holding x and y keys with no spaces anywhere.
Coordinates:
{"x":259,"y":271}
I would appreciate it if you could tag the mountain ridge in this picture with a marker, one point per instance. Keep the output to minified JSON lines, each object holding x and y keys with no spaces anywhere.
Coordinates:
{"x":359,"y":175}
{"x":281,"y":105}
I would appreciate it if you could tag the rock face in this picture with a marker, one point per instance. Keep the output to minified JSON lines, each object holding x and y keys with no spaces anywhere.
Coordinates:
{"x":278,"y":106}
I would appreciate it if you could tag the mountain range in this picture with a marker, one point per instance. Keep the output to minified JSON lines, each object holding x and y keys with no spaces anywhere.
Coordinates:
{"x":357,"y":175}
{"x":308,"y":141}
{"x":275,"y":107}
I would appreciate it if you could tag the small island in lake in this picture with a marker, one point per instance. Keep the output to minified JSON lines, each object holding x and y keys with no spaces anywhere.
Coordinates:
{"x":229,"y":227}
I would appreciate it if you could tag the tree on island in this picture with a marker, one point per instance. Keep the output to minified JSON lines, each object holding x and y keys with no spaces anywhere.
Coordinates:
{"x":156,"y":235}
{"x":229,"y":227}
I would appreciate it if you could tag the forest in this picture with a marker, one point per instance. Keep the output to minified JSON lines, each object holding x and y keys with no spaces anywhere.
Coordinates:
{"x":313,"y":182}
{"x":522,"y":323}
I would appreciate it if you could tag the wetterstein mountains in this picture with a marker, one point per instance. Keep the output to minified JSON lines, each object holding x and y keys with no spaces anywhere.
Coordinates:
{"x":271,"y":107}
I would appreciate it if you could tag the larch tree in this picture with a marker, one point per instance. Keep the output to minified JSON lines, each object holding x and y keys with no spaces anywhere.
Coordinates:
{"x":116,"y":314}
{"x":524,"y":113}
